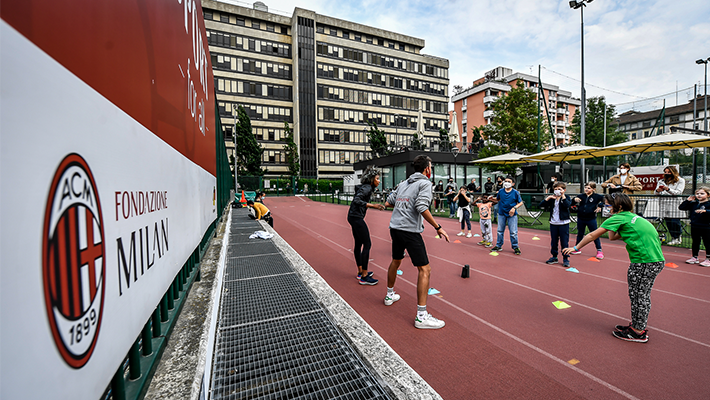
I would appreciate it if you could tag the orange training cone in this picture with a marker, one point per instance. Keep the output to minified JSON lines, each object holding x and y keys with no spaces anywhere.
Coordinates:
{"x":243,"y":200}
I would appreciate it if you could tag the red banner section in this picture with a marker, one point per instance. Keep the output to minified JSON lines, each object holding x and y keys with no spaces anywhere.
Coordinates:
{"x":649,"y":181}
{"x":149,"y":58}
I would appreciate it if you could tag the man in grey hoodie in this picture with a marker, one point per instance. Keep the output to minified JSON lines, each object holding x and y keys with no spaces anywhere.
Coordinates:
{"x":411,"y":202}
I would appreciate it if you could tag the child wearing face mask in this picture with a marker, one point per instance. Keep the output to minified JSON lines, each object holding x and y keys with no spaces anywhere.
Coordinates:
{"x":624,"y":181}
{"x":589,"y":204}
{"x":558,"y":204}
{"x":698,"y":206}
{"x":509,"y":200}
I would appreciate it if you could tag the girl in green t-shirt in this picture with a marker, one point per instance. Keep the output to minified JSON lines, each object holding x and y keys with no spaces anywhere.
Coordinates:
{"x":646,"y":259}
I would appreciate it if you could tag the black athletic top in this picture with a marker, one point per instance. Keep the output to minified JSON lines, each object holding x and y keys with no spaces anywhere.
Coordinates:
{"x":358,"y":207}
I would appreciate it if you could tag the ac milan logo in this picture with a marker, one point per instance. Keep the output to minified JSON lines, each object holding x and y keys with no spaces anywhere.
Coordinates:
{"x":73,"y":260}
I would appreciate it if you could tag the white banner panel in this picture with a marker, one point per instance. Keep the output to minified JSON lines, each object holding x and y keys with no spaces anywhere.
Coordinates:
{"x":97,"y":215}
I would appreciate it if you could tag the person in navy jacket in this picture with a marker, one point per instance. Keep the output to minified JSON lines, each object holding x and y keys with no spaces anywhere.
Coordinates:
{"x":559,"y":204}
{"x":589,"y":204}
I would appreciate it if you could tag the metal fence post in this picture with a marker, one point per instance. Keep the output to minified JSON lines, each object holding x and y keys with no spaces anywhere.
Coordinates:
{"x":118,"y":384}
{"x":156,"y":320}
{"x":134,"y":362}
{"x":147,"y":339}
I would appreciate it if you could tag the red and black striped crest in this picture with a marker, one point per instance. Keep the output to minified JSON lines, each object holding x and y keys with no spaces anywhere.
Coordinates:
{"x":73,"y":264}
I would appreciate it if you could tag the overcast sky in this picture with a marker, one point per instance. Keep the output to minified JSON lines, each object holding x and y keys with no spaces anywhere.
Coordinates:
{"x":634,"y":49}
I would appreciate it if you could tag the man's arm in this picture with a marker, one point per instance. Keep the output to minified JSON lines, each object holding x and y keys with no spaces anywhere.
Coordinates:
{"x":430,"y":219}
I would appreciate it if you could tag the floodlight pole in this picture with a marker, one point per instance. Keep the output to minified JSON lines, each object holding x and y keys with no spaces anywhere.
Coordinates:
{"x":575,"y":4}
{"x":705,"y":115}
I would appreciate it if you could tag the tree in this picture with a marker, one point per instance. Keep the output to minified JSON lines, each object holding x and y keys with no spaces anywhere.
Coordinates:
{"x":378,"y":140}
{"x":444,"y":144}
{"x":458,"y":89}
{"x":514,"y":125}
{"x":249,"y":151}
{"x":594,"y":125}
{"x":291,"y":151}
{"x":417,"y":143}
{"x":477,"y":134}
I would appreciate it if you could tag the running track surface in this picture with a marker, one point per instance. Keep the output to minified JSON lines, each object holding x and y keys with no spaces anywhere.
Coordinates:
{"x":503,"y":337}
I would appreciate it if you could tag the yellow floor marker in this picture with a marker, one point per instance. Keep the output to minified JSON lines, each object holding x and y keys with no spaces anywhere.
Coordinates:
{"x":573,"y":361}
{"x":561,"y":305}
{"x":535,"y":238}
{"x":493,"y":253}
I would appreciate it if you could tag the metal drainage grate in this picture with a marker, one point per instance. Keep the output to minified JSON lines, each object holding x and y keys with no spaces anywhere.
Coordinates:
{"x":252,"y":267}
{"x":254,"y":248}
{"x":302,"y":357}
{"x":259,"y":299}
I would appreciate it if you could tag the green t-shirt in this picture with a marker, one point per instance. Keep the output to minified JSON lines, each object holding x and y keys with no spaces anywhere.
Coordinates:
{"x":640,"y":236}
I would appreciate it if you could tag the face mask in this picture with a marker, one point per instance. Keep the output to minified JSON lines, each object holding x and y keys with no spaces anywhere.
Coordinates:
{"x":558,"y":193}
{"x":668,"y":176}
{"x":552,"y":179}
{"x":428,"y":174}
{"x":507,"y":185}
{"x":623,"y":171}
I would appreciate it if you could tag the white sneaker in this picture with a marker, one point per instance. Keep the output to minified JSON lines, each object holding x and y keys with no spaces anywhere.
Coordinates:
{"x":576,"y":252}
{"x":460,"y":234}
{"x":389,"y":300}
{"x":469,"y":235}
{"x":428,"y":322}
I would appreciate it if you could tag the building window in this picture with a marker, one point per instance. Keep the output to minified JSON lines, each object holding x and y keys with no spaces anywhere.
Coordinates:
{"x":346,"y":35}
{"x":333,"y":32}
{"x":255,"y":25}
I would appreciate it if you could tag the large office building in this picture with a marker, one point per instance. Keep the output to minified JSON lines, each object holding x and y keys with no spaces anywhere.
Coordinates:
{"x":326,"y":78}
{"x":473,"y":105}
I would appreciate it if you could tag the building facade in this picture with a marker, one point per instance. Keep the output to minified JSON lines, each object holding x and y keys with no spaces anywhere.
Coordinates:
{"x":326,"y":78}
{"x":473,"y":105}
{"x":638,"y":125}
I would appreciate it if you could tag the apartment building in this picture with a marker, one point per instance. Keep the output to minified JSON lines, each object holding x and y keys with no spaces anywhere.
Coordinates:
{"x":641,"y":124}
{"x":327,"y":78}
{"x":473,"y":105}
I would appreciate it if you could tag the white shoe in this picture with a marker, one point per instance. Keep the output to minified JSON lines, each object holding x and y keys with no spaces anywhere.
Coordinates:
{"x":460,"y":234}
{"x":469,"y":235}
{"x":389,"y":300}
{"x":428,"y":322}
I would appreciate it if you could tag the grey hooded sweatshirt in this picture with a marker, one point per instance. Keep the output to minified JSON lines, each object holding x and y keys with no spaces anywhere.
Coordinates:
{"x":411,"y":198}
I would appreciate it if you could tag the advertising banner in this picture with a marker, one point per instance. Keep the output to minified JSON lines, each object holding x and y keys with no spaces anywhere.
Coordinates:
{"x":107,"y":181}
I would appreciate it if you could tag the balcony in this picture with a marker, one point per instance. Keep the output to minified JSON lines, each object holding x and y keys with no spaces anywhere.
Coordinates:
{"x":561,"y":136}
{"x":489,"y":99}
{"x":488,"y":114}
{"x":561,"y":110}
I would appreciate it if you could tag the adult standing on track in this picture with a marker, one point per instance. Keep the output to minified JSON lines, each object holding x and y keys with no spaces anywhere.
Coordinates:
{"x":509,"y":200}
{"x":450,"y":192}
{"x":645,"y":255}
{"x":670,"y":186}
{"x":411,"y":202}
{"x":356,"y":218}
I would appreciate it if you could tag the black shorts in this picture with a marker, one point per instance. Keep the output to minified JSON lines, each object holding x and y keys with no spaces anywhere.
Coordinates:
{"x":413,"y":243}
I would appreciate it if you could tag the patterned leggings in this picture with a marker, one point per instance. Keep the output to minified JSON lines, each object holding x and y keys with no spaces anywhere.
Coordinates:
{"x":641,"y":277}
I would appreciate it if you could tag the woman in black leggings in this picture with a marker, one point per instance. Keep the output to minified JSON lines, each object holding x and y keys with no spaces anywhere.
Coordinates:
{"x":356,"y":218}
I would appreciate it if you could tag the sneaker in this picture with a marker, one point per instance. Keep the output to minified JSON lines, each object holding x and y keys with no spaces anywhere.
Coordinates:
{"x":576,"y":252}
{"x":368,"y":280}
{"x":705,"y":263}
{"x":428,"y":322}
{"x":631,"y":336}
{"x":488,"y":244}
{"x":460,"y":234}
{"x":495,"y":248}
{"x":565,"y":263}
{"x":469,"y":235}
{"x":516,"y":251}
{"x":600,"y":255}
{"x":551,"y":260}
{"x":622,"y":327}
{"x":482,"y":243}
{"x":368,"y":274}
{"x":692,"y":260}
{"x":389,"y":300}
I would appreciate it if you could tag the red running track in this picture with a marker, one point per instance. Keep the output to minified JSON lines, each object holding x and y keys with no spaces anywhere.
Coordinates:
{"x":503,"y":337}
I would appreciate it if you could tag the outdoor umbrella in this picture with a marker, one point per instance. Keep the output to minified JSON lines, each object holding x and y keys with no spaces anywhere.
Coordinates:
{"x":454,"y":131}
{"x":672,"y":141}
{"x":420,"y":125}
{"x":508,"y":158}
{"x":574,"y":152}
